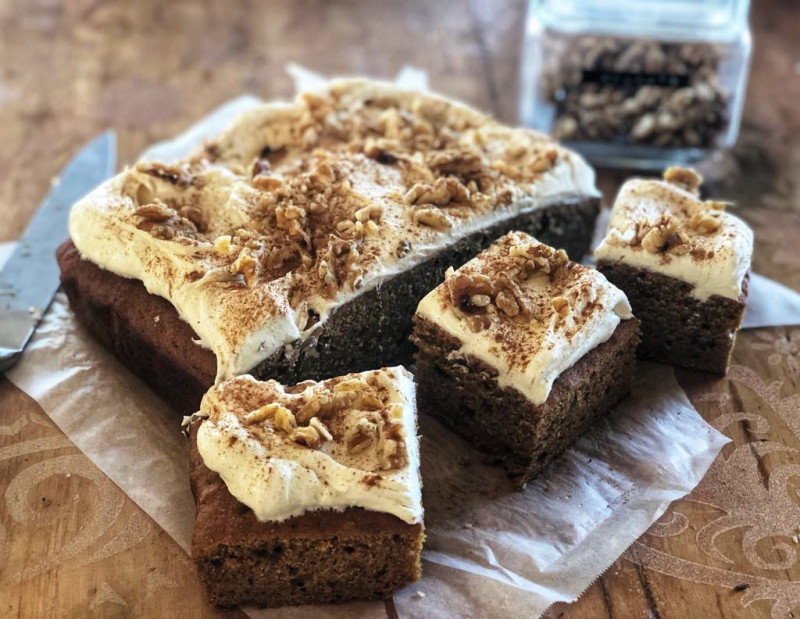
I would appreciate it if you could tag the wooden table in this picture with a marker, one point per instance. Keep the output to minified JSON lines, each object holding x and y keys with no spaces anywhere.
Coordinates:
{"x":72,"y":544}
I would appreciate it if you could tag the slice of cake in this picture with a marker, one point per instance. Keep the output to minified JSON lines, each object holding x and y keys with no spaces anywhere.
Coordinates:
{"x":307,"y":494}
{"x":298,"y":243}
{"x":684,"y":264}
{"x":520,"y":350}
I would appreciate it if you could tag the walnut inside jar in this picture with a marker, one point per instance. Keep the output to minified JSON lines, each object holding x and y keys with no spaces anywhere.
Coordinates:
{"x":641,"y":91}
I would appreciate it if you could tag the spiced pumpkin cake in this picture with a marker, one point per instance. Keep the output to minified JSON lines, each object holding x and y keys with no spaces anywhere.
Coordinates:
{"x":307,"y":494}
{"x":520,"y":350}
{"x":297,"y":243}
{"x":684,"y":263}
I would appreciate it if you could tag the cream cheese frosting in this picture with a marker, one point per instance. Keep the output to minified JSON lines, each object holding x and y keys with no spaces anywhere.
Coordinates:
{"x":524,"y":309}
{"x":663,"y":226}
{"x":299,"y":207}
{"x":345,"y":442}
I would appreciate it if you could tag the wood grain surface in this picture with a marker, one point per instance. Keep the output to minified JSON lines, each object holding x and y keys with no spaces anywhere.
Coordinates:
{"x":73,"y":545}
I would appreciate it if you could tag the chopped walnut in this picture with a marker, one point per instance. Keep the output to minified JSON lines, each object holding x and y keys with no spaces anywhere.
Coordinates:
{"x":506,"y":302}
{"x":267,"y":183}
{"x":462,"y":162}
{"x":432,"y":217}
{"x":561,"y":306}
{"x":686,"y":178}
{"x":321,"y":428}
{"x":480,"y":300}
{"x":478,"y":322}
{"x":222,"y":244}
{"x":351,"y":384}
{"x":364,"y":436}
{"x":678,"y":243}
{"x":306,"y":435}
{"x":247,"y":267}
{"x":155,"y":211}
{"x":704,"y":223}
{"x":373,"y":211}
{"x":328,"y":275}
{"x":544,"y":162}
{"x":538,"y":257}
{"x":655,"y":240}
{"x":285,"y":420}
{"x":441,"y":193}
{"x":267,"y":411}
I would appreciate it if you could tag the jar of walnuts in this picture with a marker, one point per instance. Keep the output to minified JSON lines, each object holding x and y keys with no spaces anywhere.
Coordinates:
{"x":636,"y":83}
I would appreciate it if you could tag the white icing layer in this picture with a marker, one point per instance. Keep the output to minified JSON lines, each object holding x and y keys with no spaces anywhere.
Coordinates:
{"x":714,"y":263}
{"x":279,"y":478}
{"x":531,"y":353}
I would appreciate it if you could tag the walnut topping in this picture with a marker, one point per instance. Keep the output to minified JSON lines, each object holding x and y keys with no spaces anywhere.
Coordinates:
{"x":704,"y":223}
{"x":480,"y":300}
{"x":306,"y":435}
{"x":222,"y":244}
{"x":155,"y":211}
{"x":312,"y":435}
{"x":432,"y":217}
{"x":285,"y":419}
{"x":364,"y":436}
{"x":443,"y":191}
{"x":506,"y":302}
{"x":247,"y":267}
{"x":538,"y":257}
{"x":267,"y":411}
{"x":373,"y":211}
{"x":686,"y":178}
{"x":457,"y":161}
{"x":655,"y":239}
{"x":561,"y":306}
{"x":351,"y":384}
{"x":267,"y":183}
{"x":321,"y":428}
{"x":544,"y":162}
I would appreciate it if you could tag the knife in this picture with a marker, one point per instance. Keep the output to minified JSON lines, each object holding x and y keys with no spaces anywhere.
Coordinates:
{"x":30,"y":277}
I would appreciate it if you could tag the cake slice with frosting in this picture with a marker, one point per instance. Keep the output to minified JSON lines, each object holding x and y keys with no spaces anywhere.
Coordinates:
{"x":684,"y":263}
{"x":521,"y":349}
{"x":307,"y":494}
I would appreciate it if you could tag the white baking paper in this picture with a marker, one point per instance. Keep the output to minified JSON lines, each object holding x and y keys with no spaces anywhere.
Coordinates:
{"x":490,"y":551}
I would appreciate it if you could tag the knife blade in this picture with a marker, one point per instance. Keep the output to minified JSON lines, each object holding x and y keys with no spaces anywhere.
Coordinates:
{"x":30,"y":277}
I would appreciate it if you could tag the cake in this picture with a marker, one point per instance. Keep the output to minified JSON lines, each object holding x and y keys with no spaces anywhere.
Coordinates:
{"x":307,"y":494}
{"x":296,"y":244}
{"x":520,"y":350}
{"x":684,"y":264}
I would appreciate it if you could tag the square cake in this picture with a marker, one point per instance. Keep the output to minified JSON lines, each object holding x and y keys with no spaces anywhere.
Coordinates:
{"x":307,"y":494}
{"x":297,"y":243}
{"x":520,"y":350}
{"x":684,"y":264}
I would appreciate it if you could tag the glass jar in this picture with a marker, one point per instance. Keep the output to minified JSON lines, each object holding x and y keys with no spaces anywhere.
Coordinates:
{"x":636,"y":83}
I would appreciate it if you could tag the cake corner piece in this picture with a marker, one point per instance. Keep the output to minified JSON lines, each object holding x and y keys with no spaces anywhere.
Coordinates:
{"x":520,"y":350}
{"x":307,"y":494}
{"x":684,"y":264}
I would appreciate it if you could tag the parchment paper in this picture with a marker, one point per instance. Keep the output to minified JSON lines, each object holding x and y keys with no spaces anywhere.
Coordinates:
{"x":490,"y":551}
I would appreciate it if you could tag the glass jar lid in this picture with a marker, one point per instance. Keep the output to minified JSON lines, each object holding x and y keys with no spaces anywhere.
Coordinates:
{"x":678,"y":19}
